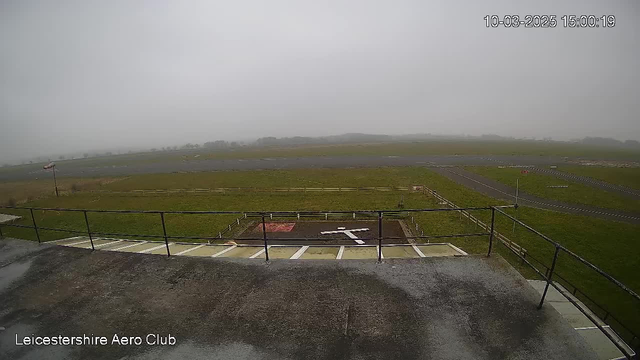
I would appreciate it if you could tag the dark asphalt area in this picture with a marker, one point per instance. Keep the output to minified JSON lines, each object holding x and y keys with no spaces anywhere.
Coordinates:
{"x":74,"y":170}
{"x":426,"y":308}
{"x":498,"y":190}
{"x":312,"y":229}
{"x":622,"y":190}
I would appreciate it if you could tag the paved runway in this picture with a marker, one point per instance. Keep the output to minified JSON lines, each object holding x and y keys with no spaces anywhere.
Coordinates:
{"x":498,"y":190}
{"x":75,"y":170}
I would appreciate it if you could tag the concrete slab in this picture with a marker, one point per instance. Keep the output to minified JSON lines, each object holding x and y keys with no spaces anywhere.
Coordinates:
{"x":573,"y":315}
{"x":118,"y":244}
{"x":162,"y":250}
{"x":391,"y":252}
{"x":360,"y":252}
{"x":176,"y":249}
{"x":437,"y":250}
{"x":208,"y":250}
{"x":139,"y":247}
{"x":98,"y":243}
{"x":70,"y":240}
{"x":321,"y":252}
{"x":280,"y":252}
{"x":601,"y":344}
{"x":244,"y":252}
{"x":552,"y":294}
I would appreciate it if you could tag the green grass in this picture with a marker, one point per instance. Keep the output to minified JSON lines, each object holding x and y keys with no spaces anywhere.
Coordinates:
{"x":609,"y":245}
{"x":537,"y":184}
{"x":433,"y":147}
{"x":629,"y":177}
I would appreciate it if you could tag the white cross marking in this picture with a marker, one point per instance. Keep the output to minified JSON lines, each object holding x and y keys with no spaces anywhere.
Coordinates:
{"x":349,"y":233}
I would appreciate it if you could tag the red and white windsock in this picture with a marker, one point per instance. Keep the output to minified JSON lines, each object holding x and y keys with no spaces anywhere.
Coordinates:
{"x":49,"y":165}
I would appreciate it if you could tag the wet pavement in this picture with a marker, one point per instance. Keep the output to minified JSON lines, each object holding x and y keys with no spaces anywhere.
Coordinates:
{"x":467,"y":307}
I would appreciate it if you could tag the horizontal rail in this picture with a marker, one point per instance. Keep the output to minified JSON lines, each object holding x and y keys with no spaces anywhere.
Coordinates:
{"x":260,"y":213}
{"x":574,"y":255}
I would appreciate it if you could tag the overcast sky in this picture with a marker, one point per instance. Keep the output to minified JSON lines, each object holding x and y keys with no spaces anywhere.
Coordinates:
{"x":82,"y":75}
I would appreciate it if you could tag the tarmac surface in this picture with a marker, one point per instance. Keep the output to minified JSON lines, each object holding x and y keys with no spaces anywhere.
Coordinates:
{"x":75,"y":170}
{"x":498,"y":190}
{"x":367,"y":233}
{"x":427,"y":308}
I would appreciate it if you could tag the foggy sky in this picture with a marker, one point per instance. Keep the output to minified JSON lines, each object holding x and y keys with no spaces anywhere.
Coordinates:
{"x":83,"y":75}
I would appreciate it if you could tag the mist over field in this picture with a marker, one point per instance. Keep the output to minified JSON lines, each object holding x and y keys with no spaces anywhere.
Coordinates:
{"x":78,"y":76}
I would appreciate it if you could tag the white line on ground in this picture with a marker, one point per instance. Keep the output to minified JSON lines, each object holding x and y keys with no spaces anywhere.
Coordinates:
{"x":109,"y":243}
{"x":71,"y":238}
{"x":128,"y":246}
{"x":418,"y":251}
{"x":299,"y":252}
{"x":78,"y":243}
{"x":340,"y":252}
{"x":590,"y":327}
{"x":191,"y":249}
{"x":151,"y":249}
{"x":258,"y":253}
{"x":457,"y":249}
{"x":224,"y":251}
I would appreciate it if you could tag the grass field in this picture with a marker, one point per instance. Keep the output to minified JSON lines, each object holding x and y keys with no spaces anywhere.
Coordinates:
{"x":537,"y":184}
{"x":433,"y":147}
{"x":629,"y":177}
{"x":23,"y":191}
{"x":607,"y":244}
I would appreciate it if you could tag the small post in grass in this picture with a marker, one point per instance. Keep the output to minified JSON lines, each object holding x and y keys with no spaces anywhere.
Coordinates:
{"x":264,"y":237}
{"x":86,"y":221}
{"x":164,"y":230}
{"x":35,"y":227}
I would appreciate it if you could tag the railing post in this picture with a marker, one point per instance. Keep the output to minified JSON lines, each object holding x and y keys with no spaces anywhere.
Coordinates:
{"x":553,"y":265}
{"x":164,"y":230}
{"x":264,"y":237}
{"x":379,"y":236}
{"x":493,"y":218}
{"x":33,"y":218}
{"x":1,"y":236}
{"x":86,"y":221}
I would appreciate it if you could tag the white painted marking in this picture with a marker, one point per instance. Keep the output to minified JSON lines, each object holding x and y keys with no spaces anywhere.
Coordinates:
{"x":71,"y":238}
{"x":128,"y":246}
{"x":78,"y":243}
{"x":259,"y":253}
{"x":191,"y":249}
{"x":340,"y":252}
{"x":458,"y":249}
{"x":349,"y":233}
{"x":590,"y":327}
{"x":299,"y":253}
{"x":418,"y":251}
{"x":109,"y":243}
{"x":151,"y":249}
{"x":224,"y":251}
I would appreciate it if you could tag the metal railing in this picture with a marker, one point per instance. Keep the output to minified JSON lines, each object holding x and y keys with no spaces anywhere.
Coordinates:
{"x":631,"y":339}
{"x":377,"y":215}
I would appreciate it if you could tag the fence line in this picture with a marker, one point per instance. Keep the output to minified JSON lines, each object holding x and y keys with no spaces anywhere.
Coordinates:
{"x":252,"y":189}
{"x":522,"y":253}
